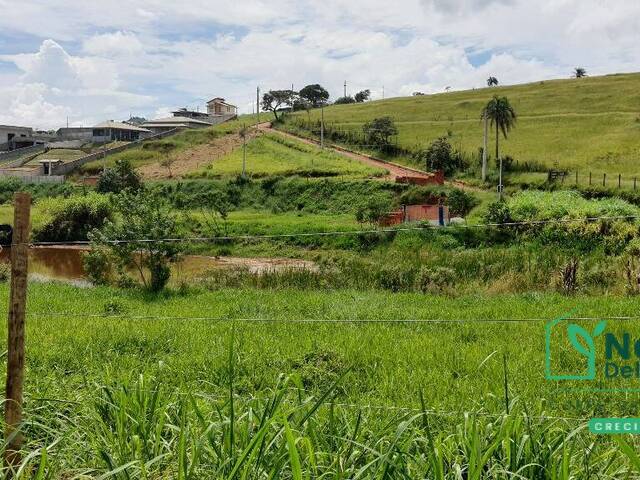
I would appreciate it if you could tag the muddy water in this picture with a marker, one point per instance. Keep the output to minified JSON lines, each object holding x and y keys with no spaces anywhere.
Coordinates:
{"x":65,"y":263}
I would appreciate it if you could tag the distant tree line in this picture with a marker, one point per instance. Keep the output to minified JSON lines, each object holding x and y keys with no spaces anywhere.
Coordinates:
{"x":311,"y":96}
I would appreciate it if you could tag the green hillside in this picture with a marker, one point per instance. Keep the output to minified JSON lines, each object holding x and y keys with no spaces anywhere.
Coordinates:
{"x":586,"y":124}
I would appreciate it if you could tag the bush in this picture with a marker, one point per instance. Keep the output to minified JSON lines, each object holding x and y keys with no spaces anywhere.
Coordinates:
{"x":71,"y":219}
{"x":119,"y":178}
{"x":146,"y":220}
{"x":97,"y":266}
{"x":460,"y":202}
{"x":435,"y":279}
{"x":395,"y":278}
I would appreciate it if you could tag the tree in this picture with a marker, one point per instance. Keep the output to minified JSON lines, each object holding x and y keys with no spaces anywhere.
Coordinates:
{"x":378,"y":131}
{"x":438,"y":156}
{"x":580,"y":72}
{"x":136,"y":241}
{"x":492,"y":81}
{"x":122,"y":176}
{"x":503,"y":118}
{"x":314,"y":94}
{"x":273,"y":100}
{"x":362,"y":96}
{"x":344,"y":100}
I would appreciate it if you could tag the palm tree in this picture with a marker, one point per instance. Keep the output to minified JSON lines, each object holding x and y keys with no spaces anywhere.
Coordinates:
{"x":580,"y":72}
{"x":501,"y":115}
{"x":492,"y":81}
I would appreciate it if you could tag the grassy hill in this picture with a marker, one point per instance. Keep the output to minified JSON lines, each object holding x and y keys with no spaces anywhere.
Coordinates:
{"x":586,"y":124}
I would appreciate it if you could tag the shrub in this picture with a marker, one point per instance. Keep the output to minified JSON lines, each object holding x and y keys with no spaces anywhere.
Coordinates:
{"x":119,"y":178}
{"x":460,"y":202}
{"x":441,"y":156}
{"x":379,"y":130}
{"x":146,"y":220}
{"x":498,"y":212}
{"x":434,"y":279}
{"x":71,"y":219}
{"x":373,"y":210}
{"x":97,"y":266}
{"x":395,"y":278}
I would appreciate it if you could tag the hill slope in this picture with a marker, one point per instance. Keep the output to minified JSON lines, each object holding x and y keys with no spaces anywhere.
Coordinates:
{"x":586,"y":124}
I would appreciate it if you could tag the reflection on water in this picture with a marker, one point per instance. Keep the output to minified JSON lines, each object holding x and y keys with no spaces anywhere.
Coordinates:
{"x":65,"y":263}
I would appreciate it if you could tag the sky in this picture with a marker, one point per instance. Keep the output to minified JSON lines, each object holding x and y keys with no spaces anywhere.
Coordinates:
{"x":96,"y":61}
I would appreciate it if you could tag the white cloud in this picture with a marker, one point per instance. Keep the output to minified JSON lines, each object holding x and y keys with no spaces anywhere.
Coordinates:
{"x":54,"y":85}
{"x":158,"y":54}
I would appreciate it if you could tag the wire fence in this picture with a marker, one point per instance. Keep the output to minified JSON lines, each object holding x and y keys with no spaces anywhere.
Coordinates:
{"x":426,"y":226}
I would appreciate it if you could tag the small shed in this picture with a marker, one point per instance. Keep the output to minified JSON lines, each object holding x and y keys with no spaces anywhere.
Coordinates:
{"x":49,"y":164}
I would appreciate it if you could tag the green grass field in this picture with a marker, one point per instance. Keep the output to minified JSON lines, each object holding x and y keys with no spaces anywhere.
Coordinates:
{"x":589,"y":124}
{"x":143,"y":383}
{"x":271,"y":154}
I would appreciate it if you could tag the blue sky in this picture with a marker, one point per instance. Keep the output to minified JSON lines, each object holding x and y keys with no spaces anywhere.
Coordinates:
{"x":70,"y":59}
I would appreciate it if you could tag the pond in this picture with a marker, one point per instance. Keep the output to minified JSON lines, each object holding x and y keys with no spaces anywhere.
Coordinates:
{"x":64,"y":263}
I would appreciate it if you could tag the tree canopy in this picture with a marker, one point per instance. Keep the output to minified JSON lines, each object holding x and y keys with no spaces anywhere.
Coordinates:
{"x":379,"y":130}
{"x":492,"y":81}
{"x":362,"y":96}
{"x":580,"y":72}
{"x":274,"y":100}
{"x":315,"y":94}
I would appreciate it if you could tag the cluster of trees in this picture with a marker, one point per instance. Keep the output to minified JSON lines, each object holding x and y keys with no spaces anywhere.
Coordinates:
{"x":311,"y":96}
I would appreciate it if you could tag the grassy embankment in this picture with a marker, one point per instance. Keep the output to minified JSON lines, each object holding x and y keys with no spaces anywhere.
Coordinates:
{"x":271,"y":154}
{"x":589,"y":124}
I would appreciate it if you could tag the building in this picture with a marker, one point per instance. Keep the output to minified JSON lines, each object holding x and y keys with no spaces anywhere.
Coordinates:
{"x":112,"y":131}
{"x":183,"y":112}
{"x":12,"y":137}
{"x":161,"y":125}
{"x":218,"y":106}
{"x":75,"y":133}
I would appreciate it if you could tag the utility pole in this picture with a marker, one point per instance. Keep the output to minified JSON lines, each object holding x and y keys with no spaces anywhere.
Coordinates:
{"x":484,"y":146}
{"x":383,"y":92}
{"x":258,"y":105}
{"x":345,"y":88}
{"x":244,"y":150}
{"x":15,"y":340}
{"x":322,"y":126}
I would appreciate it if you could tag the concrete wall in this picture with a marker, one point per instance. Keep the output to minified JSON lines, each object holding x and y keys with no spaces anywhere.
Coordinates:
{"x":16,"y":158}
{"x":68,"y":167}
{"x":35,"y":177}
{"x":77,"y":133}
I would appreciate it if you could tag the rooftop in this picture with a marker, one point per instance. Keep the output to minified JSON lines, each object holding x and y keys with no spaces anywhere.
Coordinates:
{"x":121,"y":126}
{"x":172,"y":120}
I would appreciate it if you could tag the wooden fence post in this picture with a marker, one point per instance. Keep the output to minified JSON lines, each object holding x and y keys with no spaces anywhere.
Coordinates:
{"x":619,"y":180}
{"x":604,"y":179}
{"x":634,"y":182}
{"x":589,"y":178}
{"x":576,"y":178}
{"x":15,"y":341}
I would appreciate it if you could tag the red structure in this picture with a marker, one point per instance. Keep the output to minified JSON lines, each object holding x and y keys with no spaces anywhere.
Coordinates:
{"x":435,"y":214}
{"x":434,"y":178}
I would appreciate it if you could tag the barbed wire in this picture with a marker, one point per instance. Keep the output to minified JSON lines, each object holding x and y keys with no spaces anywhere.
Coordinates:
{"x":336,"y":232}
{"x":325,"y":320}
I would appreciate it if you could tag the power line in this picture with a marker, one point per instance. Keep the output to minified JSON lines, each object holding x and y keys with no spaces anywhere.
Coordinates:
{"x":341,"y":232}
